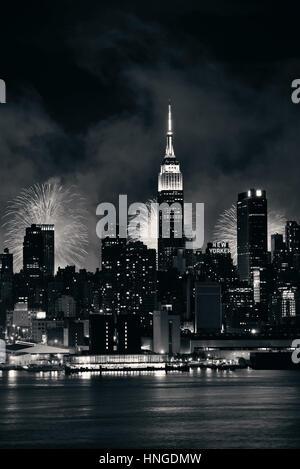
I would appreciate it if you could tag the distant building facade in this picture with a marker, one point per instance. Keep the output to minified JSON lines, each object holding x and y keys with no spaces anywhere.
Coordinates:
{"x":208,"y":307}
{"x":166,"y":332}
{"x":110,"y":333}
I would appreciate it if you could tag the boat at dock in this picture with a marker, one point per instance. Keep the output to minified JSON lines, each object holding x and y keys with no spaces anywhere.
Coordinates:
{"x":35,"y":367}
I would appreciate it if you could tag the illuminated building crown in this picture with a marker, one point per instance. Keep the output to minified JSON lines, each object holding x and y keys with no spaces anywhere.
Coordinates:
{"x":170,"y":177}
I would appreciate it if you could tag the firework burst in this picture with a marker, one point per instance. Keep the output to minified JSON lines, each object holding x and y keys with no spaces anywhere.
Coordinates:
{"x":147,"y":231}
{"x":49,"y":203}
{"x":226,"y":228}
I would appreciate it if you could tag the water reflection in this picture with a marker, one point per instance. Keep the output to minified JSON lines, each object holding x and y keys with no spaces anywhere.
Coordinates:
{"x":199,"y":409}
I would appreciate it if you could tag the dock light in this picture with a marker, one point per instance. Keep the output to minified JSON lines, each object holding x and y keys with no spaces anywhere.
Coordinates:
{"x":253,"y":331}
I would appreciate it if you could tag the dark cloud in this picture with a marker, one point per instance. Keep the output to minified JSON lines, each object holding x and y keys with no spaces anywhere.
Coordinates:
{"x":88,"y":89}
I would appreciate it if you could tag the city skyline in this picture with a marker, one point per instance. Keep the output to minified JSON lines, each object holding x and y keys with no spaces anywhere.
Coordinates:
{"x":149,"y":231}
{"x":41,"y":191}
{"x":236,"y":126}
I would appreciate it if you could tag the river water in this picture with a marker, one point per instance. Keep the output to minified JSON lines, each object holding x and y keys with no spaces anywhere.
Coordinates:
{"x":200,"y":409}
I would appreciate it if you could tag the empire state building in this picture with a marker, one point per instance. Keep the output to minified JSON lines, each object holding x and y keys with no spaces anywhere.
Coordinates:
{"x":170,"y":191}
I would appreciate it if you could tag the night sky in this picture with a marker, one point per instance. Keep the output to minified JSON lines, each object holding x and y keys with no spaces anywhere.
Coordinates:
{"x":88,"y":85}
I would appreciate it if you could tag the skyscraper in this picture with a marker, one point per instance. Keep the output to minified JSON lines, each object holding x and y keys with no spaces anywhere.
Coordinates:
{"x":6,"y":284}
{"x":128,"y":278}
{"x":33,"y":251}
{"x":38,"y":250}
{"x":277,"y":245}
{"x":170,"y":191}
{"x":48,"y":248}
{"x":113,"y":258}
{"x":251,"y":232}
{"x":6,"y":264}
{"x":292,"y":237}
{"x":140,"y":281}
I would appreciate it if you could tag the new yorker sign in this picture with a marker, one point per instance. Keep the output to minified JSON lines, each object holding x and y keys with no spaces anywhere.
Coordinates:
{"x":219,"y":248}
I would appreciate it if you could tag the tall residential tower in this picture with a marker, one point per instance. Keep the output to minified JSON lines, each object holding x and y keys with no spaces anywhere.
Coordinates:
{"x":251,"y":232}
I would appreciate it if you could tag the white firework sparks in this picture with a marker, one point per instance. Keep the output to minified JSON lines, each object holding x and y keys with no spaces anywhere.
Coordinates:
{"x":147,"y":231}
{"x":226,"y":228}
{"x":276,"y":224}
{"x":48,"y":203}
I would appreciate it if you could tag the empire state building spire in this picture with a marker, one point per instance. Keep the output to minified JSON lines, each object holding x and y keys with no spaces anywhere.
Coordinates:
{"x":169,"y":147}
{"x":170,"y":176}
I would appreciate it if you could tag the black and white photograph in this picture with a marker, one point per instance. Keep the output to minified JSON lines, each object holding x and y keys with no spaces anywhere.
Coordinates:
{"x":149,"y":232}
